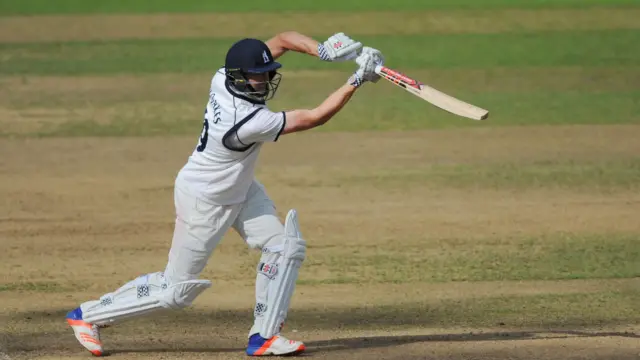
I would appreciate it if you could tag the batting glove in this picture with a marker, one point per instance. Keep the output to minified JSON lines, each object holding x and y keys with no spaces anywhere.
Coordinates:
{"x":377,"y":58}
{"x":366,"y":70}
{"x":339,"y":47}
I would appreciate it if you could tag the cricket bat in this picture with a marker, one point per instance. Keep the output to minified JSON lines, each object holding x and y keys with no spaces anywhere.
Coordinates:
{"x":433,"y":96}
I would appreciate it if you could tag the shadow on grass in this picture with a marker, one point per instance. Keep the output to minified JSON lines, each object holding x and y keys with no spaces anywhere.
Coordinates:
{"x":372,"y":342}
{"x":387,"y":341}
{"x":224,"y":331}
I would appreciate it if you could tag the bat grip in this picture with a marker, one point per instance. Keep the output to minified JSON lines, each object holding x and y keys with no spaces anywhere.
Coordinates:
{"x":396,"y":76}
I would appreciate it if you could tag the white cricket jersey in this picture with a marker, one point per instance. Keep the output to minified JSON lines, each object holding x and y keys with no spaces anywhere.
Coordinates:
{"x":221,"y":168}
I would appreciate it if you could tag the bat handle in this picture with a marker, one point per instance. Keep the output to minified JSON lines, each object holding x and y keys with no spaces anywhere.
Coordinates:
{"x":394,"y":75}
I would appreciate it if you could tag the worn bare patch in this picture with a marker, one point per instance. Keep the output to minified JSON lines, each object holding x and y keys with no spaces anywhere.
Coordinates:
{"x":35,"y":121}
{"x":21,"y":122}
{"x":78,"y":92}
{"x":172,"y":26}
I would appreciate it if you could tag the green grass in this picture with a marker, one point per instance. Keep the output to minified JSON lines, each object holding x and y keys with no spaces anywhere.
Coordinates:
{"x":31,"y":7}
{"x":133,"y":120}
{"x":509,"y":85}
{"x":511,"y":312}
{"x":543,"y":49}
{"x":551,"y":257}
{"x":394,"y":110}
{"x":592,"y":175}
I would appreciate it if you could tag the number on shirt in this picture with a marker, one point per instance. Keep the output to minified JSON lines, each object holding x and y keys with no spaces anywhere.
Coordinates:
{"x":204,"y":136}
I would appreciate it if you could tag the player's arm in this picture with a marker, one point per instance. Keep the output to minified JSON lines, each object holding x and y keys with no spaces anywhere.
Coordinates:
{"x":305,"y":119}
{"x":292,"y":41}
{"x":338,"y":47}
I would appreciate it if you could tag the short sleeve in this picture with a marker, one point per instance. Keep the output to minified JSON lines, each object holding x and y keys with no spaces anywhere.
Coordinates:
{"x":265,"y":126}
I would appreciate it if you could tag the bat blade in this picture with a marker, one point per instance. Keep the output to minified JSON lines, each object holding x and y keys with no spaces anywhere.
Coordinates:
{"x":432,"y":95}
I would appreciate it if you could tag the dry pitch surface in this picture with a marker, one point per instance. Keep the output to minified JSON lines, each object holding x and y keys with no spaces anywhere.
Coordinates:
{"x":82,"y":222}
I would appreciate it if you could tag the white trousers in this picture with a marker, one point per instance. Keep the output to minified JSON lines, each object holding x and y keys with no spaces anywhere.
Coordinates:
{"x":201,"y":225}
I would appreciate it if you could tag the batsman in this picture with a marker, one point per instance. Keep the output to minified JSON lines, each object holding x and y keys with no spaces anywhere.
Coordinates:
{"x":216,"y":190}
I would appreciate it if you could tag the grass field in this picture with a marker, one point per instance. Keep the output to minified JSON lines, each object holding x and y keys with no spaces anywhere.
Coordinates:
{"x":430,"y":236}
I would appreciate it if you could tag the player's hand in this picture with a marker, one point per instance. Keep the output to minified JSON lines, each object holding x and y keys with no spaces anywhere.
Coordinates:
{"x":378,"y":59}
{"x":366,"y":70}
{"x":368,"y":60}
{"x":339,"y":47}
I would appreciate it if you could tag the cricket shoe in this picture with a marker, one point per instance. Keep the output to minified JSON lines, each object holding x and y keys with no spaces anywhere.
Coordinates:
{"x":277,"y":345}
{"x":87,"y":334}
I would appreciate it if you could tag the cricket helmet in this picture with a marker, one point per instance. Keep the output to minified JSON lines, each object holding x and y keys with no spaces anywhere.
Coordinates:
{"x":251,"y":56}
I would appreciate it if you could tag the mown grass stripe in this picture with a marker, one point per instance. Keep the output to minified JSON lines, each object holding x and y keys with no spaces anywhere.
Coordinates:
{"x":24,"y":92}
{"x":539,"y":311}
{"x":379,"y":108}
{"x":215,"y":25}
{"x":31,"y":7}
{"x":584,"y":48}
{"x":552,"y":257}
{"x":574,"y":175}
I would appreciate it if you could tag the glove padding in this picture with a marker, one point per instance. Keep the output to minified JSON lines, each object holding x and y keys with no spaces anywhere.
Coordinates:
{"x":377,"y":58}
{"x":339,"y":47}
{"x":366,"y":70}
